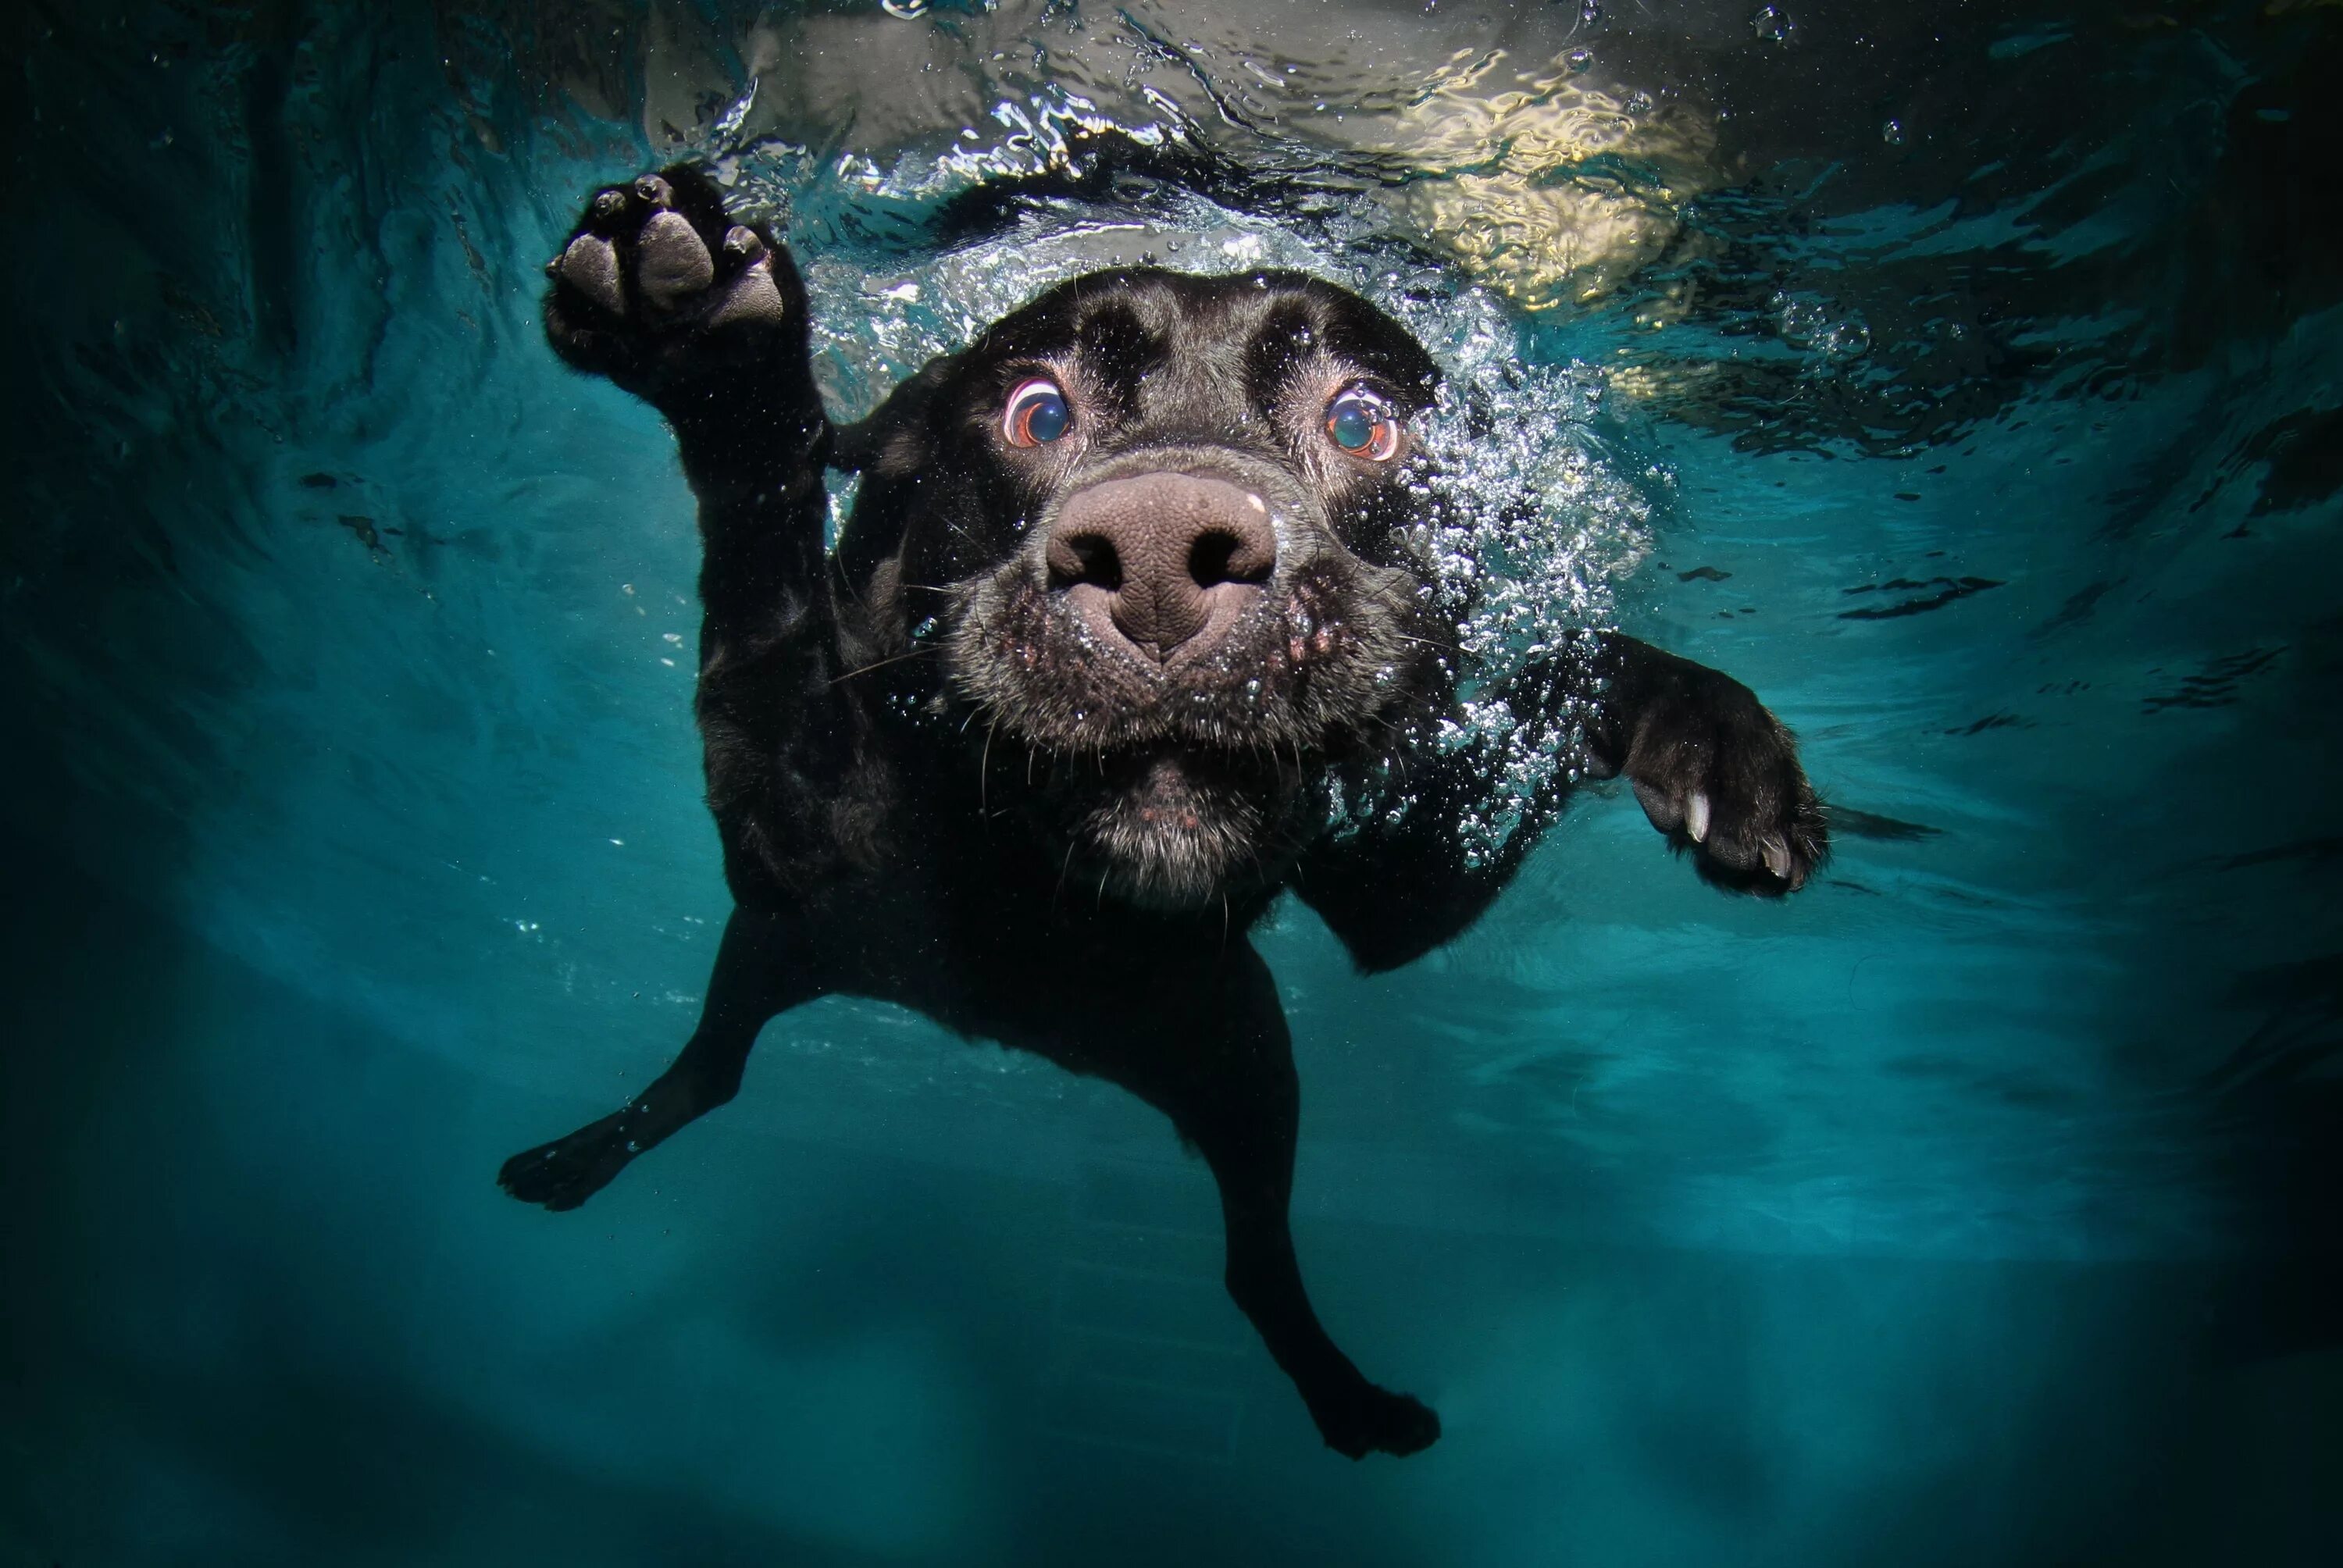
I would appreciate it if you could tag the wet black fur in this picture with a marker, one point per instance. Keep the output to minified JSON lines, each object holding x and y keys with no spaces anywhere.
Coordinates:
{"x":931,"y":790}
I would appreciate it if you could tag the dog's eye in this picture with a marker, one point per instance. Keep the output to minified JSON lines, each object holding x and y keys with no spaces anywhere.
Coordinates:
{"x":1359,"y":421}
{"x":1037,"y":413}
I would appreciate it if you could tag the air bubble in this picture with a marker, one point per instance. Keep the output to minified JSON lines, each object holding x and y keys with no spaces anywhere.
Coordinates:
{"x":1810,"y":324}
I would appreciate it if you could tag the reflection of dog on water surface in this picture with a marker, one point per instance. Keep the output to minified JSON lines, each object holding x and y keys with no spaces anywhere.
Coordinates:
{"x":1515,"y":142}
{"x":1555,"y":149}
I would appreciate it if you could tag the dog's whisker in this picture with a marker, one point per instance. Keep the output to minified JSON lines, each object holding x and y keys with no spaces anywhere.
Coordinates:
{"x":880,"y":664}
{"x":985,"y":764}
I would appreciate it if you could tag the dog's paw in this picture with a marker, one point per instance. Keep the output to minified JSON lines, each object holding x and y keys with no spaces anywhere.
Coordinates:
{"x":658,"y":287}
{"x":1370,"y":1420}
{"x":1719,"y":775}
{"x":564,"y":1173}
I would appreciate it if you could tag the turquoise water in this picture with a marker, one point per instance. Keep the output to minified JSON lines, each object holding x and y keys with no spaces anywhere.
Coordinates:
{"x":1966,"y":382}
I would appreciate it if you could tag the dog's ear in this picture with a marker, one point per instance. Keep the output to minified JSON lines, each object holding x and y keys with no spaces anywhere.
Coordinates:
{"x":856,"y":447}
{"x":894,"y":450}
{"x":852,"y":447}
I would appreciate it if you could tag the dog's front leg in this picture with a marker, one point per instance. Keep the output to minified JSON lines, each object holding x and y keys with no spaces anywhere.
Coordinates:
{"x":659,"y":290}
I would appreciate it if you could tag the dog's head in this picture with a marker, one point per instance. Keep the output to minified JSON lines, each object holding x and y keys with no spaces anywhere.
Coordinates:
{"x":1162,"y":532}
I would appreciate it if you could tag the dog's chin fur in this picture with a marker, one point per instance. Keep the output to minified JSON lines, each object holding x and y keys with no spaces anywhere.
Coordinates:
{"x":1174,"y":828}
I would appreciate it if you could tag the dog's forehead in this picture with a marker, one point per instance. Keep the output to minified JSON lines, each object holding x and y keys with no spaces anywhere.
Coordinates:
{"x":1250,"y":326}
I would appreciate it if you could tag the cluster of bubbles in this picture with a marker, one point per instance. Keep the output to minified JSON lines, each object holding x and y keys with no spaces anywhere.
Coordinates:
{"x":1535,"y":515}
{"x":1834,"y":336}
{"x":1537,"y":512}
{"x":1538,"y":516}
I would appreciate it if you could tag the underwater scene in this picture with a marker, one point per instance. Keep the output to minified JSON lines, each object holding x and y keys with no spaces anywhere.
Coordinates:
{"x":1964,"y":378}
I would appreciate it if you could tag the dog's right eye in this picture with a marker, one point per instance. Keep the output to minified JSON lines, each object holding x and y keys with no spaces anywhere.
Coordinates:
{"x":1360,"y":422}
{"x":1037,"y":413}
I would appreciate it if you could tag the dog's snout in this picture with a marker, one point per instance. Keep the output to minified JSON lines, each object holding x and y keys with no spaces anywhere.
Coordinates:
{"x":1168,"y":561}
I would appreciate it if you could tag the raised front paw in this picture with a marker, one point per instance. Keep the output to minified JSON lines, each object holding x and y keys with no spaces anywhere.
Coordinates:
{"x":658,"y":287}
{"x":1719,"y":775}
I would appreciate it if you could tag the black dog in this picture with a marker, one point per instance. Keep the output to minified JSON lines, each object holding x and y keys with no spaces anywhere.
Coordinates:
{"x":1132,"y":629}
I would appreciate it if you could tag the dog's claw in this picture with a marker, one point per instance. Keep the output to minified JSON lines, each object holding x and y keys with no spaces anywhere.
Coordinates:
{"x":1718,"y":774}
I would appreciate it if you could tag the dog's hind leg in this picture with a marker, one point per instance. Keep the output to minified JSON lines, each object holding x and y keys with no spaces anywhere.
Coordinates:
{"x":1234,"y":1095}
{"x":758,"y":975}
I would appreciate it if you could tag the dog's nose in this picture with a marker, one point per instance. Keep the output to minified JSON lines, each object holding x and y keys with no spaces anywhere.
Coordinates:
{"x":1170,"y":559}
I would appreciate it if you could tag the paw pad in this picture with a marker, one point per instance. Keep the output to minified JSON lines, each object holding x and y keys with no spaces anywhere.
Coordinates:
{"x":590,"y":266}
{"x":670,"y":264}
{"x":659,"y":289}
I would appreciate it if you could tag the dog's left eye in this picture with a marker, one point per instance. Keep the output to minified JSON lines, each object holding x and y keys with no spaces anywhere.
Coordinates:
{"x":1037,"y":413}
{"x":1359,"y":421}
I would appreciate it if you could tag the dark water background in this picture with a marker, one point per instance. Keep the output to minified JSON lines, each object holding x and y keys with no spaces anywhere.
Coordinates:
{"x":1963,"y":377}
